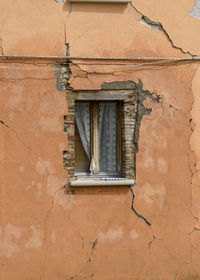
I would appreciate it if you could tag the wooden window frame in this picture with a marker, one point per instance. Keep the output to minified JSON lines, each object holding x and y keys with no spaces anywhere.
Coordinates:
{"x":127,"y":94}
{"x":95,"y":143}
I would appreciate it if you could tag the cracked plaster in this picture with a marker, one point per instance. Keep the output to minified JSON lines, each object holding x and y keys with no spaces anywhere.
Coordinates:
{"x":157,"y":226}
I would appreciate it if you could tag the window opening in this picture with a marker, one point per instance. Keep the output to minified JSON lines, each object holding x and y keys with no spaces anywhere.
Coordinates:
{"x":89,"y":106}
{"x":97,"y":138}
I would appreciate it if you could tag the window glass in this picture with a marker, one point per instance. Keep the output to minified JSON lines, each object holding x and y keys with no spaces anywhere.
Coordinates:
{"x":108,"y":136}
{"x":97,"y":138}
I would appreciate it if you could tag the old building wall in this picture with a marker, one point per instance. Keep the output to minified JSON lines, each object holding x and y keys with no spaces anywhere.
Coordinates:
{"x":51,"y":231}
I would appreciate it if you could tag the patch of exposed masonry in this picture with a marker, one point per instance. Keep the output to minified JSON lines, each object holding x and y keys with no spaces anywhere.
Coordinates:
{"x":142,"y":111}
{"x":195,"y":11}
{"x":63,"y":73}
{"x":141,"y":95}
{"x":154,"y":25}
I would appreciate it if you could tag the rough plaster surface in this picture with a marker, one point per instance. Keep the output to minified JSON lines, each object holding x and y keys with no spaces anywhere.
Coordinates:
{"x":48,"y":231}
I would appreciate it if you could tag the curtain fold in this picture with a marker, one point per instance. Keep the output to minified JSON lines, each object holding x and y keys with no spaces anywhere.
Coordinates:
{"x":107,"y":134}
{"x":82,"y":118}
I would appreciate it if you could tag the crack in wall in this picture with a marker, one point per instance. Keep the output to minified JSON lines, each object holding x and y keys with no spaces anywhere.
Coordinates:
{"x":189,"y":120}
{"x":59,"y":1}
{"x":66,"y":21}
{"x":142,"y":95}
{"x":191,"y":163}
{"x":82,"y":277}
{"x":133,"y":209}
{"x":142,"y":218}
{"x":150,"y":242}
{"x":191,"y":178}
{"x":193,"y":170}
{"x":63,"y":73}
{"x":1,"y":46}
{"x":45,"y":230}
{"x":16,"y":134}
{"x":25,"y":145}
{"x":158,"y":26}
{"x":93,"y":246}
{"x":3,"y":123}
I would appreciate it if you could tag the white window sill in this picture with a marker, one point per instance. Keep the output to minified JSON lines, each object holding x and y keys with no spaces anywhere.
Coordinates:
{"x":102,"y":1}
{"x":99,"y":182}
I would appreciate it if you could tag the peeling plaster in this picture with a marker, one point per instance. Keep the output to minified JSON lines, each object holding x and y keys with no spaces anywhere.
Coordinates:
{"x":35,"y":239}
{"x":39,"y":188}
{"x":59,"y":1}
{"x":113,"y":235}
{"x":159,"y":27}
{"x":133,"y":234}
{"x":195,"y":11}
{"x":162,"y":166}
{"x":194,"y":143}
{"x":153,"y":25}
{"x":53,"y":236}
{"x":143,"y":110}
{"x":150,"y":194}
{"x":8,"y":240}
{"x":11,"y":236}
{"x":21,"y":169}
{"x":44,"y":165}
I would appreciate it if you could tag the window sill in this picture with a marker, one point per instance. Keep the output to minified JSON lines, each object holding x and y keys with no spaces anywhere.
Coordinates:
{"x":102,"y":1}
{"x":99,"y":182}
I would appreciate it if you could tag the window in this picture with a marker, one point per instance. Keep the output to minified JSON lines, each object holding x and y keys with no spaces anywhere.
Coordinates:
{"x":97,"y":139}
{"x":101,"y":135}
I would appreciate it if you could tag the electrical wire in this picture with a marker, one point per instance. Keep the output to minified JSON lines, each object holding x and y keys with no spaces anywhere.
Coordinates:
{"x":146,"y":62}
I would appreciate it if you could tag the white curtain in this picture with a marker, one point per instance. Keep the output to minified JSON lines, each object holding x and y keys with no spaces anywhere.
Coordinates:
{"x":108,"y":136}
{"x":82,"y":118}
{"x":107,"y":133}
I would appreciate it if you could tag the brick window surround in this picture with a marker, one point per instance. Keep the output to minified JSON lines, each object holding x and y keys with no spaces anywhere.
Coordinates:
{"x":127,"y":95}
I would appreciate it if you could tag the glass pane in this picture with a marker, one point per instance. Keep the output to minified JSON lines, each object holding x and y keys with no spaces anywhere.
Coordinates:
{"x":82,"y":137}
{"x":108,"y":136}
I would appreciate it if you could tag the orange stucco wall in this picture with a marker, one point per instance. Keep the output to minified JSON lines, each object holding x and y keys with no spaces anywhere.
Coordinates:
{"x":49,"y":232}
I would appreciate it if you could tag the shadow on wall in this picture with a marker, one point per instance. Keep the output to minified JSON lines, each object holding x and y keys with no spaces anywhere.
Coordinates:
{"x":113,"y":8}
{"x":98,"y":190}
